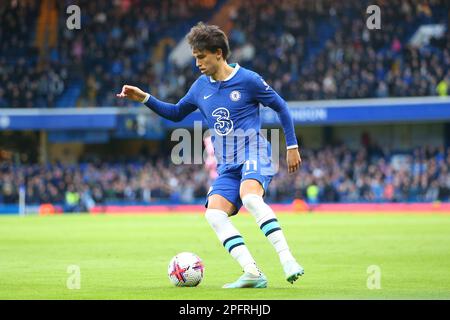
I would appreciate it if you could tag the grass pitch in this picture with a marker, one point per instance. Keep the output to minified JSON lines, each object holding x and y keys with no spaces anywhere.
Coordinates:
{"x":126,"y":257}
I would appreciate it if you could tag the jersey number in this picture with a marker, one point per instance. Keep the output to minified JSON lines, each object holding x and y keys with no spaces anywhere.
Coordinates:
{"x":224,"y":124}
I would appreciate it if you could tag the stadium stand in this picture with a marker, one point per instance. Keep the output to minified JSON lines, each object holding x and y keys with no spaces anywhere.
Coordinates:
{"x":333,"y":174}
{"x":301,"y":48}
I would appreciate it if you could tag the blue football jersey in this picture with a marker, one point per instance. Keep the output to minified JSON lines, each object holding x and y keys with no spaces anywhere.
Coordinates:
{"x":231,"y":110}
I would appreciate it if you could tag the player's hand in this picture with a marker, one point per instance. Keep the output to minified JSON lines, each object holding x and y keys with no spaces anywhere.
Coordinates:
{"x":132,"y":93}
{"x":293,"y":160}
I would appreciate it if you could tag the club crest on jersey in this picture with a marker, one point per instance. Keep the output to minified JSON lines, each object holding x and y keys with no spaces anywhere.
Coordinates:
{"x":235,"y":95}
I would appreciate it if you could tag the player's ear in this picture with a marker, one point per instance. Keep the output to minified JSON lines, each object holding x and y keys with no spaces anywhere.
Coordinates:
{"x":219,"y":54}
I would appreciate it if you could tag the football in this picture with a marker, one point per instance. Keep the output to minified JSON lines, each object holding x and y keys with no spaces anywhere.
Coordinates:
{"x":186,"y":269}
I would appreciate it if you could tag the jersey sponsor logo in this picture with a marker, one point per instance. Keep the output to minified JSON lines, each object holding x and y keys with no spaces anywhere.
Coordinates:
{"x":206,"y":97}
{"x":223,"y":124}
{"x":235,"y":95}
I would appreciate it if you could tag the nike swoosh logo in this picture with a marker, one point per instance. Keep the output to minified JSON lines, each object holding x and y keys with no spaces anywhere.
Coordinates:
{"x":249,"y":172}
{"x":206,"y":97}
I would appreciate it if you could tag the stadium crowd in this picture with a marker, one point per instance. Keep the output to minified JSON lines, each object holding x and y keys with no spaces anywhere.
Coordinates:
{"x":323,"y":49}
{"x":332,"y":174}
{"x":113,"y":46}
{"x":305,"y":49}
{"x":18,"y":72}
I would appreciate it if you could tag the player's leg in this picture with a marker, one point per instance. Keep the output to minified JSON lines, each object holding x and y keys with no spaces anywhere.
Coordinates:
{"x":218,"y":216}
{"x":219,"y":210}
{"x":252,"y":192}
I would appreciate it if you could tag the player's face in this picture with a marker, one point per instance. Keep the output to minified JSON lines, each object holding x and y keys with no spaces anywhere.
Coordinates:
{"x":206,"y":61}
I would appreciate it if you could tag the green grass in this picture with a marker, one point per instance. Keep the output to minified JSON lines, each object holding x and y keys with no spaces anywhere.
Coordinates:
{"x":126,"y":257}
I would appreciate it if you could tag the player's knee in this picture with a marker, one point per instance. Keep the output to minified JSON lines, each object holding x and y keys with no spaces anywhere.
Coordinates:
{"x":252,"y":202}
{"x":215,"y":217}
{"x":257,"y":207}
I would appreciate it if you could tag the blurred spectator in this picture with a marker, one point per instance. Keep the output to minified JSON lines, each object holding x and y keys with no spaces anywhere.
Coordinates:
{"x":312,"y":194}
{"x":72,"y":200}
{"x":442,"y":87}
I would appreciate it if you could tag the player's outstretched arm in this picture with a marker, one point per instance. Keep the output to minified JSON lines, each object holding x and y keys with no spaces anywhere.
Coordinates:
{"x":132,"y":93}
{"x":173,"y":112}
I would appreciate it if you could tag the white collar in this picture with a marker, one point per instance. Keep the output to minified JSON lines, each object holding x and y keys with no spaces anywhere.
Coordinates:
{"x":235,"y":70}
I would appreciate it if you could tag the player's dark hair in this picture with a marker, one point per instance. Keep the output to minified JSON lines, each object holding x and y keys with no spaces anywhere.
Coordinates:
{"x":208,"y":37}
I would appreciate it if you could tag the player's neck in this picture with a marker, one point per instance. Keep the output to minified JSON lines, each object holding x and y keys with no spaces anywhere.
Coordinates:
{"x":223,"y":72}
